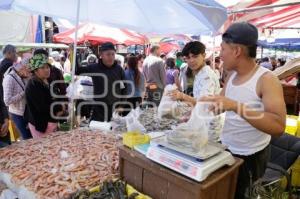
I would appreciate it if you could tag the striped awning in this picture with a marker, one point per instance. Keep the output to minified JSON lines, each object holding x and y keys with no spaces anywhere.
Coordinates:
{"x":277,"y":17}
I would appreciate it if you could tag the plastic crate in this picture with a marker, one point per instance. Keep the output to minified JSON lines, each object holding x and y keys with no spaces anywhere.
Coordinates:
{"x":13,"y":130}
{"x":131,"y":139}
{"x":296,"y":173}
{"x":291,"y":125}
{"x":298,"y":130}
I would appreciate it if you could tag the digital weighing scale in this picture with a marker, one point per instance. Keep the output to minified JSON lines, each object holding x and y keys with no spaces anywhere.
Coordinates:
{"x":190,"y":166}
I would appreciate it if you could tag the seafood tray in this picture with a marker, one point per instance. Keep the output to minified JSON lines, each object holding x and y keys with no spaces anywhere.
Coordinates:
{"x":149,"y":119}
{"x":62,"y":163}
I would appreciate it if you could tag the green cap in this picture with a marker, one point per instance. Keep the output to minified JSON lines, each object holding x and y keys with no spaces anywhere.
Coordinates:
{"x":37,"y":61}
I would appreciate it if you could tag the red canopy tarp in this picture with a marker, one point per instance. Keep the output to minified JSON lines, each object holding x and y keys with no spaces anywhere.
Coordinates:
{"x":97,"y":34}
{"x":277,"y":17}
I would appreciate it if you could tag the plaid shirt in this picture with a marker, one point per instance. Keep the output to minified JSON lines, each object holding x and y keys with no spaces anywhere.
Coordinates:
{"x":14,"y":92}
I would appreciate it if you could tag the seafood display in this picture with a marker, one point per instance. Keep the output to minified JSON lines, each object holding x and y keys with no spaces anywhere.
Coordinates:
{"x":61,"y":163}
{"x":150,"y":120}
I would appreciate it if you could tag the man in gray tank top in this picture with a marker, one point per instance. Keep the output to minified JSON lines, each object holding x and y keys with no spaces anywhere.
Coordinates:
{"x":253,"y":101}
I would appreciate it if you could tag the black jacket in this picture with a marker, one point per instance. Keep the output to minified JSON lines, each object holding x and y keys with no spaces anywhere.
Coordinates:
{"x":115,"y":75}
{"x":3,"y":110}
{"x":4,"y":65}
{"x":38,"y":105}
{"x":58,"y":88}
{"x":113,"y":90}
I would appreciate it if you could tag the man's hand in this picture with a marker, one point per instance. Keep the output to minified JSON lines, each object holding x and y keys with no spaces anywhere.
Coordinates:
{"x":119,"y":110}
{"x":4,"y":128}
{"x":175,"y":95}
{"x":71,"y":46}
{"x":220,"y":104}
{"x":60,"y":113}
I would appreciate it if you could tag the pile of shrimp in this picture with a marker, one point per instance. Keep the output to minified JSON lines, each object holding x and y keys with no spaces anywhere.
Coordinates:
{"x":62,"y":163}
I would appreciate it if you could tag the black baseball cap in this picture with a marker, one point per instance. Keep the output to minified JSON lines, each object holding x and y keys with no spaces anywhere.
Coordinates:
{"x":241,"y":33}
{"x":107,"y":46}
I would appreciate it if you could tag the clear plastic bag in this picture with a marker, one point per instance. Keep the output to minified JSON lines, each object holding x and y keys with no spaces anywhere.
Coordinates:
{"x":192,"y":135}
{"x":132,"y":122}
{"x":167,"y":106}
{"x":82,"y":88}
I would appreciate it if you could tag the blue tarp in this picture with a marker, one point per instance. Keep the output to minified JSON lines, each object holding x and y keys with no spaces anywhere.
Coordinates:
{"x":39,"y":31}
{"x":292,"y":44}
{"x":5,"y":4}
{"x":144,"y":16}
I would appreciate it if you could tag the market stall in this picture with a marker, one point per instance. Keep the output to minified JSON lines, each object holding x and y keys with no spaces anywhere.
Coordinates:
{"x":64,"y":164}
{"x":162,"y":166}
{"x":288,"y":75}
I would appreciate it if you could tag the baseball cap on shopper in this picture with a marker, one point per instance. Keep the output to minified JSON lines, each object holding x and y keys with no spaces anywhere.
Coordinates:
{"x":241,"y":33}
{"x":107,"y":46}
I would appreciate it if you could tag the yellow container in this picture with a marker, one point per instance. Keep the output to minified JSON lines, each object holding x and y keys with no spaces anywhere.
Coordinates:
{"x":296,"y":173}
{"x":291,"y":125}
{"x":298,"y":130}
{"x":131,"y":139}
{"x":130,"y":190}
{"x":14,"y":133}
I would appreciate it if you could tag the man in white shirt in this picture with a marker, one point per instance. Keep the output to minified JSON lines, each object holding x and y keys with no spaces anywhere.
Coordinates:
{"x":253,"y":100}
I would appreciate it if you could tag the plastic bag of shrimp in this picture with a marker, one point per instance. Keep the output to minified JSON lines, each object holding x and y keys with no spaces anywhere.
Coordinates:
{"x":193,"y":134}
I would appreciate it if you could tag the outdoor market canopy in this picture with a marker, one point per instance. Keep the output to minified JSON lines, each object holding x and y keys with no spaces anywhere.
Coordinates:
{"x":97,"y":34}
{"x":168,"y":16}
{"x":270,"y":17}
{"x":282,"y":44}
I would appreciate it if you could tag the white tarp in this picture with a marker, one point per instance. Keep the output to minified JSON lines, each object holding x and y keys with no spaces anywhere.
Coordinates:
{"x":17,"y":27}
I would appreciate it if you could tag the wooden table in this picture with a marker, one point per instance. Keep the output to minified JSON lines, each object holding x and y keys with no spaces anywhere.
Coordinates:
{"x":160,"y":182}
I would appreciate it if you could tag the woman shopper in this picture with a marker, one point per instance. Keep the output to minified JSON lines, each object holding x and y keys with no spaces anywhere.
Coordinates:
{"x":172,"y":73}
{"x":135,"y":82}
{"x":39,"y":99}
{"x":14,"y":84}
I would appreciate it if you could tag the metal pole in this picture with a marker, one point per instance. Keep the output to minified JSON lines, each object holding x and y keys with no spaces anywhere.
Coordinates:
{"x":50,"y":30}
{"x":43,"y":28}
{"x":213,"y":55}
{"x":263,"y":7}
{"x":283,"y":28}
{"x":74,"y":63}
